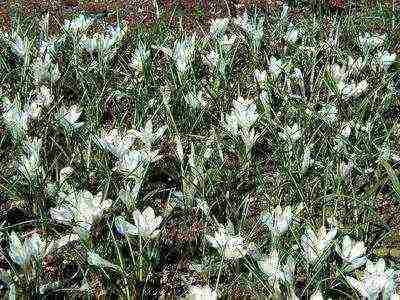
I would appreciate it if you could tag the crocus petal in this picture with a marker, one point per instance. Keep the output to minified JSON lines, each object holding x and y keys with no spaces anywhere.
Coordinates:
{"x":148,"y":214}
{"x":358,"y":262}
{"x":358,"y":249}
{"x":358,"y":286}
{"x":346,"y":246}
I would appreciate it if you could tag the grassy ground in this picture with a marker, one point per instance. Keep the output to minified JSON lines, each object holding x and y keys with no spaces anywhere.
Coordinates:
{"x":257,"y":180}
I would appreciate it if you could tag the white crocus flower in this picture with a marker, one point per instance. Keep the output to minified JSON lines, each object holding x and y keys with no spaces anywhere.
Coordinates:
{"x":29,"y":164}
{"x":147,"y":135}
{"x":43,"y":99}
{"x":245,"y":112}
{"x":226,"y":42}
{"x":254,"y":28}
{"x":292,"y":34}
{"x":260,"y":76}
{"x":114,"y":35}
{"x":243,"y":22}
{"x":277,"y":66}
{"x":352,"y":89}
{"x":131,"y":162}
{"x":314,"y":245}
{"x":96,"y":260}
{"x":33,"y":247}
{"x":346,"y":130}
{"x":183,"y":53}
{"x":16,"y":120}
{"x":117,"y":142}
{"x":317,"y":295}
{"x":307,"y":160}
{"x":279,"y":220}
{"x":63,"y":175}
{"x":328,"y":113}
{"x":68,"y":118}
{"x":146,"y":224}
{"x":212,"y":59}
{"x":195,"y":100}
{"x":352,"y":252}
{"x":229,"y":246}
{"x":249,"y":138}
{"x":19,"y":253}
{"x":140,"y":58}
{"x":338,"y":73}
{"x":345,"y":169}
{"x":271,"y":266}
{"x":201,"y":293}
{"x":44,"y":69}
{"x":386,"y":59}
{"x":19,"y":46}
{"x":370,"y":41}
{"x":291,"y":134}
{"x":374,"y":280}
{"x":81,"y":23}
{"x":80,"y":208}
{"x":218,"y":27}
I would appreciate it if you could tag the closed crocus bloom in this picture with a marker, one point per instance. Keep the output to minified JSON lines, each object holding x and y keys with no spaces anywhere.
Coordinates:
{"x":345,"y":169}
{"x":374,"y":280}
{"x":307,"y":160}
{"x":339,"y":73}
{"x":291,"y":134}
{"x":201,"y":293}
{"x":279,"y":220}
{"x":32,"y":248}
{"x":352,"y":252}
{"x":146,"y":224}
{"x":183,"y":53}
{"x":386,"y":59}
{"x":227,"y":42}
{"x":271,"y":266}
{"x":292,"y":34}
{"x":131,"y":162}
{"x":68,"y":117}
{"x":245,"y":112}
{"x":218,"y":27}
{"x":315,"y":245}
{"x":139,"y":58}
{"x":81,"y":23}
{"x":260,"y":76}
{"x":228,"y":245}
{"x":276,"y":66}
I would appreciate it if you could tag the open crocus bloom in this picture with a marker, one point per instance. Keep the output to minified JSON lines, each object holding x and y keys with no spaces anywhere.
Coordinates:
{"x":374,"y":281}
{"x":313,"y":245}
{"x":279,"y":220}
{"x":80,"y":207}
{"x":146,"y":224}
{"x":352,"y":252}
{"x":118,"y":143}
{"x":228,"y":245}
